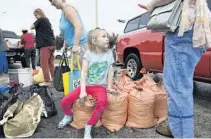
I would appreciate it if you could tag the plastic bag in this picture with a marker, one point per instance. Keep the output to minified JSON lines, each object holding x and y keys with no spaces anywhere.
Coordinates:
{"x":22,"y":118}
{"x":39,"y":78}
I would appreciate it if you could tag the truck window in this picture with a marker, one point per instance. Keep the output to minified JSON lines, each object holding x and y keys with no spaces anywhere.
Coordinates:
{"x":144,"y":20}
{"x":132,"y":24}
{"x":209,"y":4}
{"x":9,"y":34}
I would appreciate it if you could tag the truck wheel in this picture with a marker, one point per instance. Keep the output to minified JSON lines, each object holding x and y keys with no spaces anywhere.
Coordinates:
{"x":133,"y":65}
{"x":23,"y":63}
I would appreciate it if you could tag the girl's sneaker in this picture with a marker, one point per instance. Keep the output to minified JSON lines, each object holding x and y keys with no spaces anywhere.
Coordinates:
{"x":87,"y":132}
{"x":64,"y":122}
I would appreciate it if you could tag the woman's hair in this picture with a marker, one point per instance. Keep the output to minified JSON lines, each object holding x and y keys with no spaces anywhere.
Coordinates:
{"x":92,"y":35}
{"x":39,"y":12}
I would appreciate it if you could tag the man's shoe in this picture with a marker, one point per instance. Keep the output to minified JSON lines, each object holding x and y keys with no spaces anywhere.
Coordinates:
{"x":164,"y":130}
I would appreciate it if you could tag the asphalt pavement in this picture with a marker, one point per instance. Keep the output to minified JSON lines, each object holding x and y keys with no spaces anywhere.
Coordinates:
{"x":47,"y":127}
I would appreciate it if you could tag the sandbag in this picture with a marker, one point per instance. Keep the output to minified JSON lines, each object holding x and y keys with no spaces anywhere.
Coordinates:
{"x":160,"y":109}
{"x":125,"y":83}
{"x":146,"y":81}
{"x":82,"y":113}
{"x":115,"y":116}
{"x":22,"y":118}
{"x":141,"y":108}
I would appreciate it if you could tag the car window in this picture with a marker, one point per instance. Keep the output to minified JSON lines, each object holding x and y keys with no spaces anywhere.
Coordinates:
{"x":144,"y":20}
{"x":132,"y":25}
{"x":9,"y":34}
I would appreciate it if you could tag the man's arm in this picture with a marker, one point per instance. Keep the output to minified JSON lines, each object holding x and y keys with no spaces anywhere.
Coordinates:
{"x":22,"y":40}
{"x":156,"y":3}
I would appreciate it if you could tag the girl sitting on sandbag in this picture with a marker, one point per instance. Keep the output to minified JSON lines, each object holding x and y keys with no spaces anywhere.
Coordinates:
{"x":96,"y":79}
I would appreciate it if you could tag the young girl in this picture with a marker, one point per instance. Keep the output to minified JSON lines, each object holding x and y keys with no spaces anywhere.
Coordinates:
{"x":96,"y":79}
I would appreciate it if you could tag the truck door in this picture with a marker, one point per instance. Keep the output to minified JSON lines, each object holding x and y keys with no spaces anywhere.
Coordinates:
{"x":203,"y":68}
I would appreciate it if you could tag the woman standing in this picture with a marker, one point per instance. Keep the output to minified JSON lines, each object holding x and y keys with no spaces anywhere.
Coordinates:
{"x":72,"y":27}
{"x":183,"y":49}
{"x":45,"y":41}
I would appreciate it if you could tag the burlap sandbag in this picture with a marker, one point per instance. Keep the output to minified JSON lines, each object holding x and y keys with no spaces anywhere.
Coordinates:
{"x":141,"y":109}
{"x":160,"y":109}
{"x":146,"y":81}
{"x":115,"y":116}
{"x":82,"y":113}
{"x":125,"y":83}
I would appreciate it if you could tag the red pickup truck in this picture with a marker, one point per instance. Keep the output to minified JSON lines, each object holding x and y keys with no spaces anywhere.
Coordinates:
{"x":140,"y":48}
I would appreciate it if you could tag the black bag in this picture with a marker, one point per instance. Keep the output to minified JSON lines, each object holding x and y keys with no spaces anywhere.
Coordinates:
{"x":59,"y":70}
{"x":47,"y":98}
{"x":8,"y":99}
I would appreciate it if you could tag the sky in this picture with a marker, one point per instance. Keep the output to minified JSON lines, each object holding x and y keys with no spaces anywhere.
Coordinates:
{"x":18,"y":14}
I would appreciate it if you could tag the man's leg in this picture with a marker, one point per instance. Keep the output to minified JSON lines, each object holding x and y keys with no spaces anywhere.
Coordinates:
{"x":180,"y":61}
{"x":33,"y":56}
{"x":27,"y":54}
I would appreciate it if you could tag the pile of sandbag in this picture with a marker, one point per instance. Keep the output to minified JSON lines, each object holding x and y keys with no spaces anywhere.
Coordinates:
{"x":160,"y":103}
{"x":147,"y":100}
{"x":82,"y":112}
{"x":136,"y":104}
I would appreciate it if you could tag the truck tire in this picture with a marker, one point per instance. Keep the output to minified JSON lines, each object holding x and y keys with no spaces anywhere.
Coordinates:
{"x":23,"y":63}
{"x":133,"y":65}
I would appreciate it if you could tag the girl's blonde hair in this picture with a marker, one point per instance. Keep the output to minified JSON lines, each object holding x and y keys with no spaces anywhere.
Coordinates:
{"x":92,"y":36}
{"x":39,"y":12}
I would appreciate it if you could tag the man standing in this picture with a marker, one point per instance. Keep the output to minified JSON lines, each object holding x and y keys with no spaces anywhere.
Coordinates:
{"x":28,"y":43}
{"x":3,"y":58}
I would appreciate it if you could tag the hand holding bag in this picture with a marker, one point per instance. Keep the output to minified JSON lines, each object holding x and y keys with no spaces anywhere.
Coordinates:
{"x":166,"y":18}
